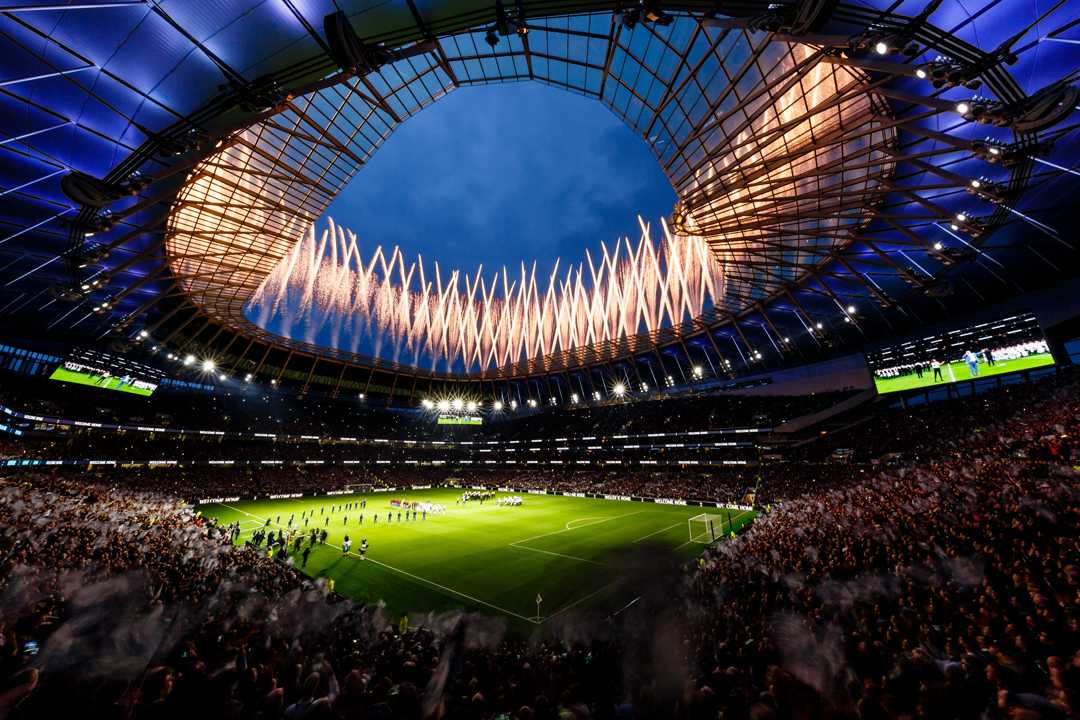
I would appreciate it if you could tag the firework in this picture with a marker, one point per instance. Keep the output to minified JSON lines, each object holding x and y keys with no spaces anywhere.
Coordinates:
{"x":325,"y":288}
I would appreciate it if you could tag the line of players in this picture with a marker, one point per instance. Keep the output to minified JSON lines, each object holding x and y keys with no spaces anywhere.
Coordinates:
{"x":284,"y":536}
{"x":410,"y":515}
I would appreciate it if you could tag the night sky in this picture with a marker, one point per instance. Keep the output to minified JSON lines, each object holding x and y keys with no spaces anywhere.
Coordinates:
{"x":505,"y":173}
{"x":497,"y":175}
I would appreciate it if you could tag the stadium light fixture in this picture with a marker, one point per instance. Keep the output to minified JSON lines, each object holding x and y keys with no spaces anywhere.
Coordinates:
{"x":976,"y":183}
{"x":962,"y":108}
{"x":920,"y":73}
{"x":273,"y":381}
{"x":819,"y":326}
{"x":427,"y":404}
{"x":497,"y":406}
{"x":938,"y":245}
{"x":247,"y":378}
{"x":619,"y":389}
{"x":143,"y":334}
{"x":644,"y":387}
{"x":787,"y":340}
{"x":208,"y":365}
{"x":757,"y":354}
{"x":223,"y":377}
{"x":443,"y":405}
{"x":361,"y":396}
{"x":471,"y":406}
{"x":513,"y":404}
{"x":573,"y":398}
{"x":171,"y":356}
{"x":154,"y":348}
{"x":851,"y":309}
{"x":881,"y":47}
{"x":457,"y":404}
{"x":189,"y":360}
{"x":698,"y":371}
{"x":532,"y":403}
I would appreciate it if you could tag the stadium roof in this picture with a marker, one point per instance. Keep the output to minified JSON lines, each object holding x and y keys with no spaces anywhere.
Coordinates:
{"x":857,"y":168}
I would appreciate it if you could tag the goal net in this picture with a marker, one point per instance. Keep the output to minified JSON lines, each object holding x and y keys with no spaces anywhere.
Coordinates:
{"x":706,"y":527}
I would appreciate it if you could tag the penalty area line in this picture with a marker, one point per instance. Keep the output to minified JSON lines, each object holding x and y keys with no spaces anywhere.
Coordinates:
{"x":406,"y":573}
{"x":556,"y":554}
{"x":581,"y":599}
{"x":669,"y":527}
{"x":576,"y":527}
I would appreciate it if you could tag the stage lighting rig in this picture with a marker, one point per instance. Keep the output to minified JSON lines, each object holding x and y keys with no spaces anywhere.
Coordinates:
{"x":87,"y":254}
{"x":168,"y":146}
{"x":507,"y":24}
{"x":69,"y":292}
{"x":1004,"y":154}
{"x":262,"y":95}
{"x":97,"y":222}
{"x":1031,"y":114}
{"x":950,"y":256}
{"x":988,"y":190}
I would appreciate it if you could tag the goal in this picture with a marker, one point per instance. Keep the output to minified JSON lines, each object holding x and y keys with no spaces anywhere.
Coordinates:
{"x":706,"y":527}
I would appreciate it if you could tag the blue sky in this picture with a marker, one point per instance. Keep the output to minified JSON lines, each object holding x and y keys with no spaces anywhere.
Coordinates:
{"x":504,"y":173}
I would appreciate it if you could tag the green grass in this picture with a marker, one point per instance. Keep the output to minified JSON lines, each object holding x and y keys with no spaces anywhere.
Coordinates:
{"x":486,"y":558}
{"x":957,"y":371}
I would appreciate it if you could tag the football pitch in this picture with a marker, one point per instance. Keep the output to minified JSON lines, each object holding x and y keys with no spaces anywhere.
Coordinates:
{"x":957,"y":371}
{"x":569,"y":551}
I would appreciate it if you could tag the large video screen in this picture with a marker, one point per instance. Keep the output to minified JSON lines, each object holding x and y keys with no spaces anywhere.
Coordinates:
{"x":991,"y":348}
{"x":109,"y":372}
{"x":460,"y":420}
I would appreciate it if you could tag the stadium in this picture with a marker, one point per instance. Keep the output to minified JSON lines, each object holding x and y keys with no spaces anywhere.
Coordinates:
{"x":539,"y":359}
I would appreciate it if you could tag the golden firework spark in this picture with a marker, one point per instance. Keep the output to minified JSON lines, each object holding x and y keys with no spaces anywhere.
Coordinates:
{"x":324,"y":287}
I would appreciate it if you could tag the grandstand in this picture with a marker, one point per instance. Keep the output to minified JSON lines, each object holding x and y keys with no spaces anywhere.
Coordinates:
{"x":804,"y":444}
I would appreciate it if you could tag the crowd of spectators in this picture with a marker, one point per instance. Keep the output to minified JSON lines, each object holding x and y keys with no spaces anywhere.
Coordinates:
{"x":947,"y":586}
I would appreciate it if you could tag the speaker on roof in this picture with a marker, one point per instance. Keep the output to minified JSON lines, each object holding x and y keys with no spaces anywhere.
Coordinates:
{"x":83,"y":189}
{"x":346,"y":47}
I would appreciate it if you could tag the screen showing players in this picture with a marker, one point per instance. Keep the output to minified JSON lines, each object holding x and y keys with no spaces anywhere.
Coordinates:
{"x":109,"y":372}
{"x":991,"y":348}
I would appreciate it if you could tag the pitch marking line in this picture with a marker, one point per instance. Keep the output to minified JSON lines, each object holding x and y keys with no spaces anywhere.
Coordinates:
{"x":576,"y":527}
{"x":549,"y":552}
{"x":669,"y":527}
{"x":581,"y":599}
{"x":407,"y":574}
{"x":569,"y":523}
